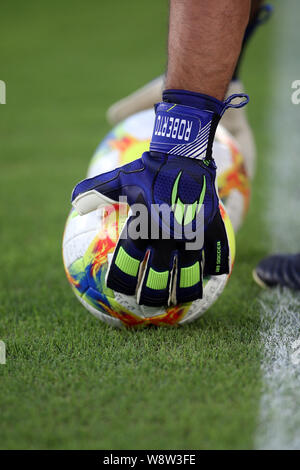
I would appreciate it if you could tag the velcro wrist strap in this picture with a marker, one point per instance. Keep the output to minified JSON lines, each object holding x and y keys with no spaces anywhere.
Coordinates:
{"x":182,"y":130}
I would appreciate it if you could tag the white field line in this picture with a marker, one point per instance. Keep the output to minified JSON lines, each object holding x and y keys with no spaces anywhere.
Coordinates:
{"x":279,"y":421}
{"x":279,"y":426}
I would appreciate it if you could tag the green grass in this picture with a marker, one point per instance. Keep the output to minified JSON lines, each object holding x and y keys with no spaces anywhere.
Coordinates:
{"x":70,"y":381}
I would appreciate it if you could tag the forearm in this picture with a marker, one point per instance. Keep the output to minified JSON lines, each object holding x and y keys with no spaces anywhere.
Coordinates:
{"x":205,"y":39}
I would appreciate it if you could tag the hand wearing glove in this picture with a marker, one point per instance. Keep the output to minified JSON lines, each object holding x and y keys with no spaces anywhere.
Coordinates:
{"x":175,"y":183}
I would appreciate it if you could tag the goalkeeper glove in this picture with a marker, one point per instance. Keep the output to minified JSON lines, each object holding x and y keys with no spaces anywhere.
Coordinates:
{"x":178,"y":173}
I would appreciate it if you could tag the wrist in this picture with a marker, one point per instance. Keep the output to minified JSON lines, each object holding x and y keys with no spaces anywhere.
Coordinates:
{"x":194,"y":100}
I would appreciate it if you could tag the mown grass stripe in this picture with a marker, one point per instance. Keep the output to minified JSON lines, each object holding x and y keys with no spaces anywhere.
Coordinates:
{"x":279,"y":417}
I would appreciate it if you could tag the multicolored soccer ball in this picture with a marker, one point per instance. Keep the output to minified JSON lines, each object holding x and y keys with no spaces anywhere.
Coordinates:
{"x":89,"y":240}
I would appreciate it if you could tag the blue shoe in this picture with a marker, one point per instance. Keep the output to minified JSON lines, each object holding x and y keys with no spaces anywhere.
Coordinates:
{"x":278,"y":270}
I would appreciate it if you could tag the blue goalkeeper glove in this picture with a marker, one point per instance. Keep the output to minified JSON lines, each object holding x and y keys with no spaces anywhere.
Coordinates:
{"x":183,"y":236}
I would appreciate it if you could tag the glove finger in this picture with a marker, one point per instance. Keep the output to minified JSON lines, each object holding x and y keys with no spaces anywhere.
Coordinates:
{"x":154,"y":287}
{"x":126,"y":264}
{"x":216,"y":248}
{"x":188,"y":276}
{"x":104,"y":189}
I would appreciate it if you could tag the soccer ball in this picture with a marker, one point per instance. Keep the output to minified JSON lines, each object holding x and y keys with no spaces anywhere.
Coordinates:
{"x":89,"y":240}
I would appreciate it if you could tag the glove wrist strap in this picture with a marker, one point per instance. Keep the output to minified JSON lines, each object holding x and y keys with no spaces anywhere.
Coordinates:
{"x":187,"y":125}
